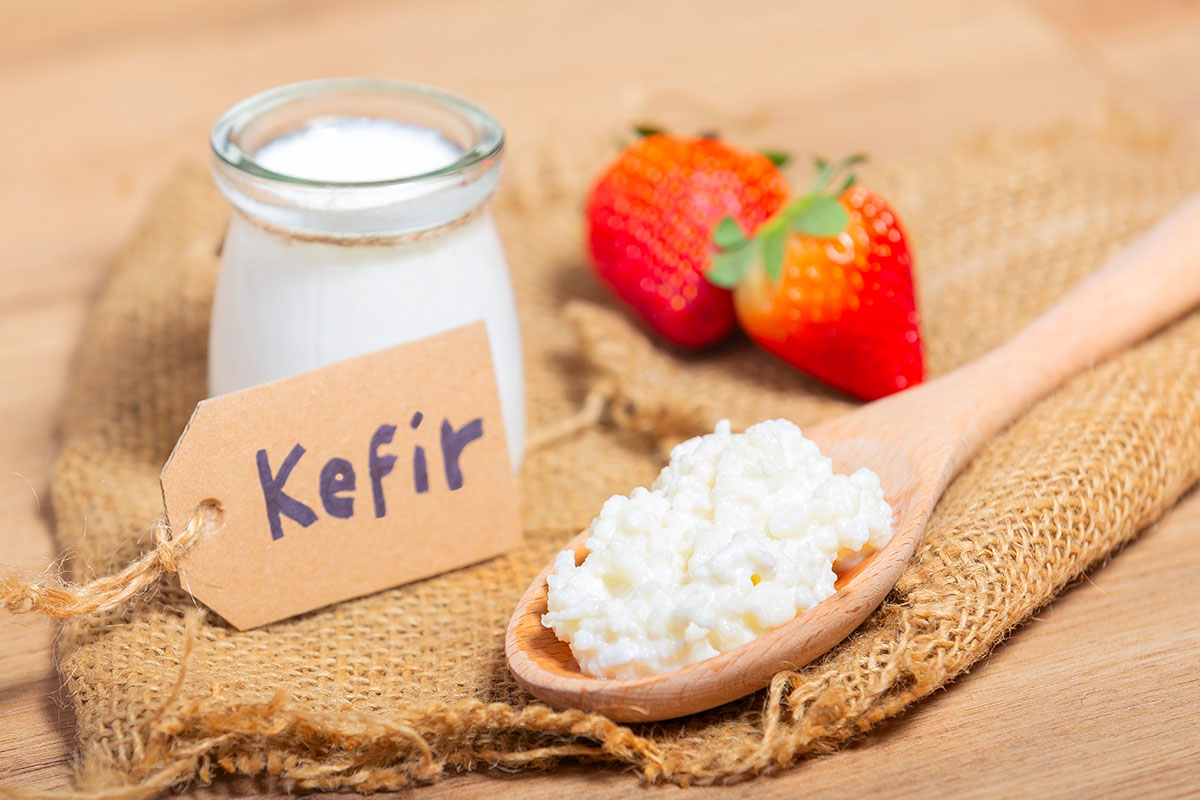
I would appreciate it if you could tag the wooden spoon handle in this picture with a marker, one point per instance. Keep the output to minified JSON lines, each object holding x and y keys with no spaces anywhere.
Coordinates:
{"x":1151,"y":282}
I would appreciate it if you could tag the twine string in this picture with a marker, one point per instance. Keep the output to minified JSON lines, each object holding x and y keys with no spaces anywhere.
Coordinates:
{"x":47,"y":593}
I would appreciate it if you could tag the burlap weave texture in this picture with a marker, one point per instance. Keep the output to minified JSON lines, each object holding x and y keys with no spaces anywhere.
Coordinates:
{"x":403,"y":685}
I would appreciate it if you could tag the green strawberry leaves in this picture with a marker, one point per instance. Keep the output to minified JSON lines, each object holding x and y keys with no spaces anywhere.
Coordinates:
{"x":819,"y":213}
{"x":813,"y":215}
{"x":777,"y":157}
{"x":822,"y":216}
{"x":729,"y":266}
{"x":734,"y":256}
{"x":774,"y":246}
{"x":728,"y":234}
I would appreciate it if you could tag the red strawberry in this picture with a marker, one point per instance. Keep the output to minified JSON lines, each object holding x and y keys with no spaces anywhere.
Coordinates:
{"x":651,"y":217}
{"x":827,"y":286}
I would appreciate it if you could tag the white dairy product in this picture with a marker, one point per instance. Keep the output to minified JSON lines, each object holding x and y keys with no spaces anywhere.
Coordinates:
{"x":739,"y":534}
{"x":284,"y":307}
{"x":315,"y":273}
{"x":348,"y":149}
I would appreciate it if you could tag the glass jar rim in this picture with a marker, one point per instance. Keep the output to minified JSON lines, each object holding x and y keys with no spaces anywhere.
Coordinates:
{"x":488,"y":144}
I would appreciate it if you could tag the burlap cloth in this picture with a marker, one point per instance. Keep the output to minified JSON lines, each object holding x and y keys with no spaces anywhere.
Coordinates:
{"x":405,"y":685}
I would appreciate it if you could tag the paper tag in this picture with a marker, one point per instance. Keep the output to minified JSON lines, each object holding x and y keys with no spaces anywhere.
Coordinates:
{"x":346,"y":480}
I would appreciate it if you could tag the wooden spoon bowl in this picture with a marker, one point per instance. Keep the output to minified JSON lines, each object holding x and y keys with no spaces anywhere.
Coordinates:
{"x":545,"y":666}
{"x":917,"y":441}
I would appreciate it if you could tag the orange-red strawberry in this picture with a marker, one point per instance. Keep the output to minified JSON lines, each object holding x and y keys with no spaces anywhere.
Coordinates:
{"x":650,"y":221}
{"x":827,"y":286}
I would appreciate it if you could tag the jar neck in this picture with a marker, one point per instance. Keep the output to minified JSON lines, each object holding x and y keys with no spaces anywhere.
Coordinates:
{"x":408,"y":212}
{"x":294,"y":234}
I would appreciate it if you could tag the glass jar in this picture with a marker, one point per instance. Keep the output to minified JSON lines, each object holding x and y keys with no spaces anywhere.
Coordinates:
{"x":315,"y":271}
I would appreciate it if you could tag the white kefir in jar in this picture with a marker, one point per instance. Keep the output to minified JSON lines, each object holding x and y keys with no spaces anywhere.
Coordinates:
{"x":359,"y":222}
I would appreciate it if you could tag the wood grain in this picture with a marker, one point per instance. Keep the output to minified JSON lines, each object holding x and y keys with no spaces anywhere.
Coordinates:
{"x":1097,"y":696}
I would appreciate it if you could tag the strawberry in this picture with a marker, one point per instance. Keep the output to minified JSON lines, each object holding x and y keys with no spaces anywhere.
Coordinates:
{"x":650,"y":221}
{"x":827,"y":286}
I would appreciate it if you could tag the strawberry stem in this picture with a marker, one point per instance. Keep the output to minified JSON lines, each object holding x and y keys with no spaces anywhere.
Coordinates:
{"x":826,"y":172}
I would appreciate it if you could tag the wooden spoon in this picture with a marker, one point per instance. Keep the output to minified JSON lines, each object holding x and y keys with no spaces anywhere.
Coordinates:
{"x":917,"y":441}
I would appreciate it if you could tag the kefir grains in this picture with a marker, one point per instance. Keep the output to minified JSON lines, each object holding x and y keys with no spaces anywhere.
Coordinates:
{"x":738,"y":535}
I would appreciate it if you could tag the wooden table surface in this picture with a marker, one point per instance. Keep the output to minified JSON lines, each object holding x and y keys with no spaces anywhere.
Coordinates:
{"x":1096,"y":696}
